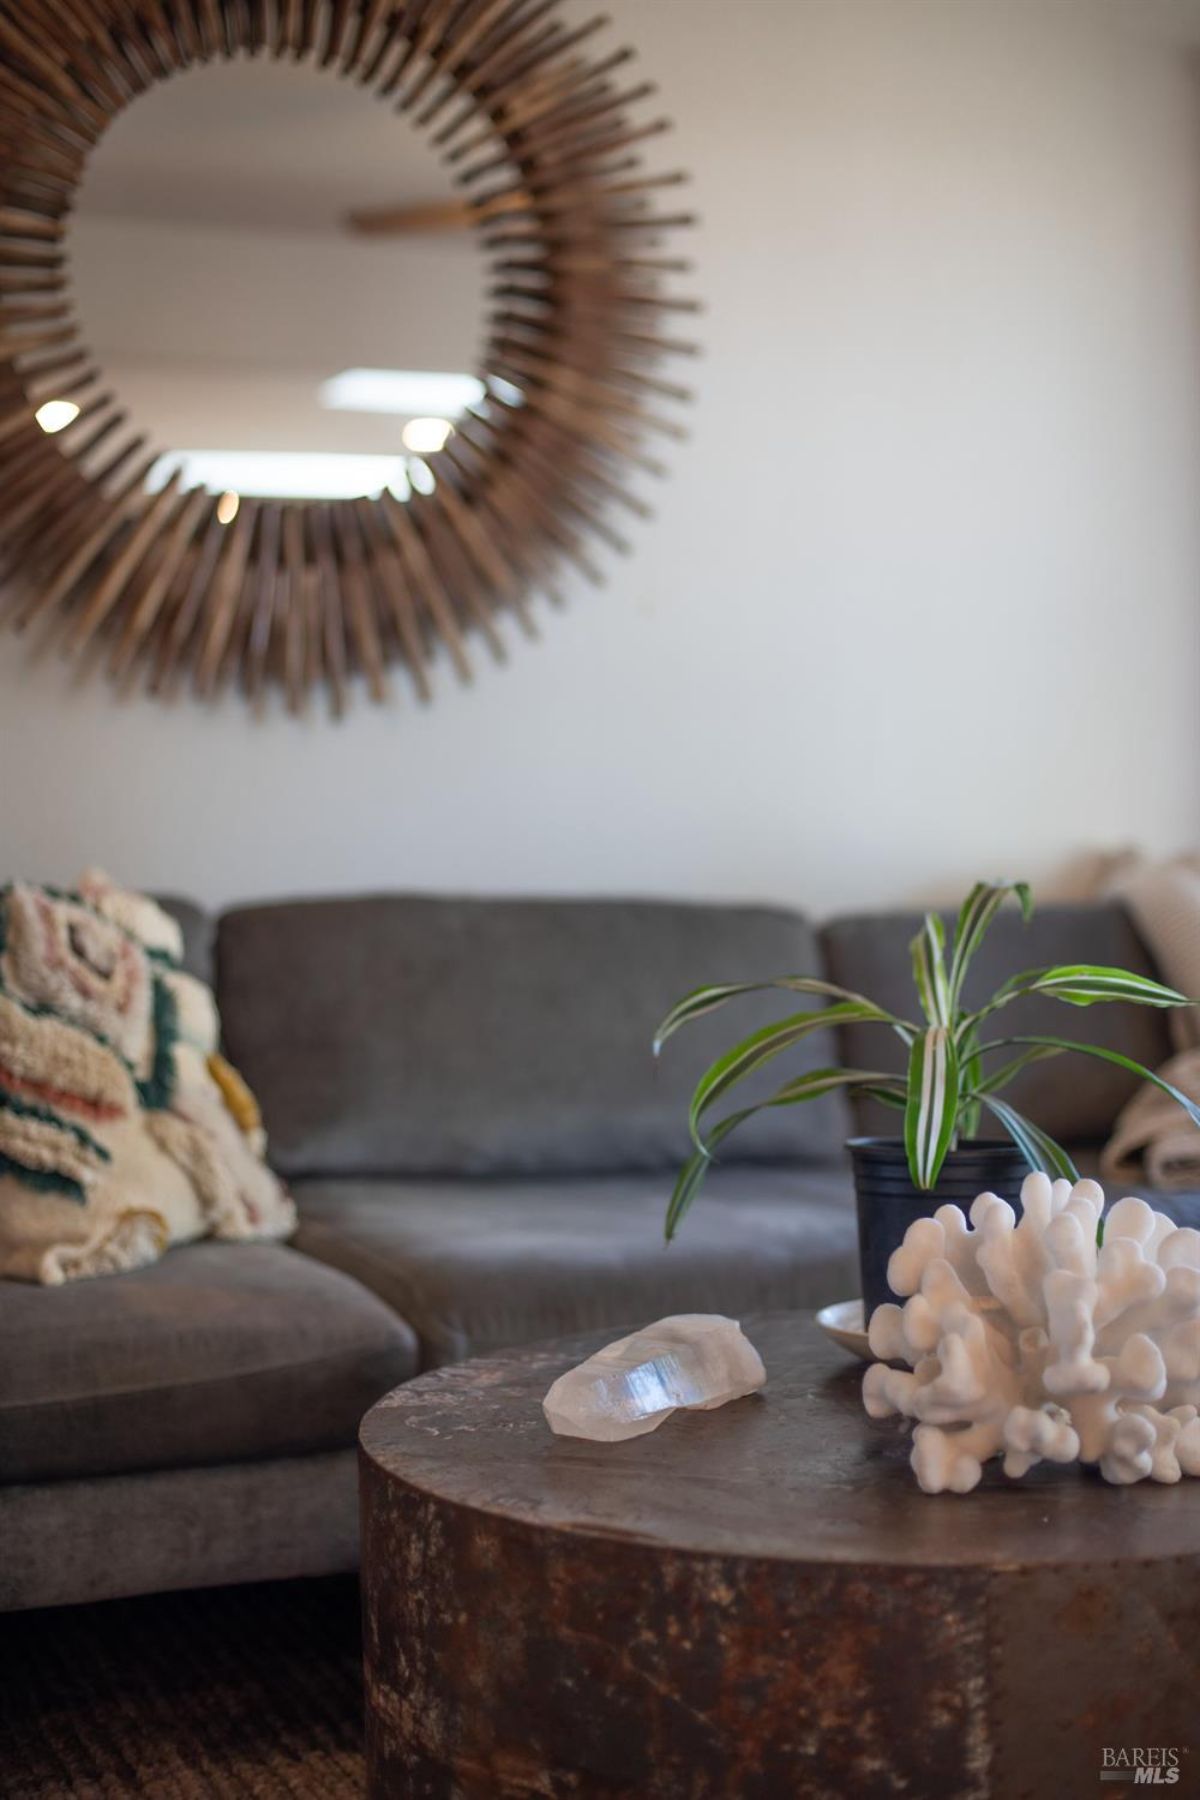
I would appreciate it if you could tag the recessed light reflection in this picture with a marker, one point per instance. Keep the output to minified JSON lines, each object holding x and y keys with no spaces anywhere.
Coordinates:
{"x":56,"y":415}
{"x":279,"y":474}
{"x":410,"y":391}
{"x":227,"y":507}
{"x":426,"y":435}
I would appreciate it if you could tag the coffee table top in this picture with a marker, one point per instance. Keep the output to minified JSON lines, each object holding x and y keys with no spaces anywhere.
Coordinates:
{"x":796,"y":1472}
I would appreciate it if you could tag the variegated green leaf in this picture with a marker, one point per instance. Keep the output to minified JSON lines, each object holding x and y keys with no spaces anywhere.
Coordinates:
{"x":809,"y":1086}
{"x":764,"y":1045}
{"x":975,"y":916}
{"x":815,"y":1082}
{"x":970,"y":1073}
{"x":1037,"y":1147}
{"x":706,"y":999}
{"x":968,"y":1120}
{"x":931,"y":1112}
{"x":896,"y":1096}
{"x":1081,"y":984}
{"x":929,"y":970}
{"x":1000,"y":1078}
{"x":687,"y":1186}
{"x":1110,"y":1056}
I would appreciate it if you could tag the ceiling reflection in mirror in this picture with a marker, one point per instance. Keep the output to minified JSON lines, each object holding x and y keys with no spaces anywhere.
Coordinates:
{"x":279,"y":282}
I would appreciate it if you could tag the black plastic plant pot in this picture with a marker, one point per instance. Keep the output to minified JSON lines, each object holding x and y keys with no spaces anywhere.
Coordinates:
{"x":888,"y":1202}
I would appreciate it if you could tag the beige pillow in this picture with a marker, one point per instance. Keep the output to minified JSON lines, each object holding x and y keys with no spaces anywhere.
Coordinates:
{"x":1164,"y":899}
{"x":115,"y":1140}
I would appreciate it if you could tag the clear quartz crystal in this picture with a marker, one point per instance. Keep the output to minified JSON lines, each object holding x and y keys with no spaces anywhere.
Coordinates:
{"x":696,"y":1360}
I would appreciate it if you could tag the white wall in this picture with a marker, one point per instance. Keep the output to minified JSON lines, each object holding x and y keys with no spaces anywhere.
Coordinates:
{"x":923,"y":598}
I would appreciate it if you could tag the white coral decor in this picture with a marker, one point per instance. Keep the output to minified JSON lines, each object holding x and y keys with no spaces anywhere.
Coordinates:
{"x":1026,"y":1340}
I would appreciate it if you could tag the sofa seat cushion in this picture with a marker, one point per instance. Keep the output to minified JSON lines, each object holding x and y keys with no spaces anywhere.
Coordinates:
{"x":412,"y":1035}
{"x":216,"y":1354}
{"x":475,"y":1266}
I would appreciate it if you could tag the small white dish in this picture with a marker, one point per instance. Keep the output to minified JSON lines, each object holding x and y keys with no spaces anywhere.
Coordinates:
{"x":844,"y":1323}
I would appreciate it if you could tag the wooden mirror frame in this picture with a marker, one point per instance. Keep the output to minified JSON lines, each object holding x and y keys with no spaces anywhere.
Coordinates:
{"x":542,"y":137}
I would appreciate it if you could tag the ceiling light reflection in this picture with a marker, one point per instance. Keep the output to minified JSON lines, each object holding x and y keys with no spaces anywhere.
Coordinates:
{"x":56,"y":415}
{"x":281,"y":474}
{"x":412,"y":391}
{"x":426,"y":435}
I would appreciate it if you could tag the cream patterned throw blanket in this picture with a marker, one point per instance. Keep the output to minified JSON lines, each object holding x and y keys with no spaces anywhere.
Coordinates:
{"x":121,"y":1129}
{"x":1153,"y":1140}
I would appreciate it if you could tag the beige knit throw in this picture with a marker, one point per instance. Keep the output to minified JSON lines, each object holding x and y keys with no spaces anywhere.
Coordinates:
{"x":1153,"y":1140}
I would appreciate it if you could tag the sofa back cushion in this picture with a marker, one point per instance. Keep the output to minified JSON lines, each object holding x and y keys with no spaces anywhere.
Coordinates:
{"x":410,"y":1034}
{"x":1075,"y":1098}
{"x":197,"y":927}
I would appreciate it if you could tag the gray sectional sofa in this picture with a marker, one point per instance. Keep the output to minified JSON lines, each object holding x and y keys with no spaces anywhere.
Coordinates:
{"x":462,"y":1097}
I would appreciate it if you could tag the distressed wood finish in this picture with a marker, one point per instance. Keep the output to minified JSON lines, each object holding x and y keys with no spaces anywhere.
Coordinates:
{"x":537,"y":126}
{"x":752,"y":1603}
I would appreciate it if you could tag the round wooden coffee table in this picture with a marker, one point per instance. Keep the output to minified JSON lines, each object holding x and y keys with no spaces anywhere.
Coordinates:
{"x":755,"y":1603}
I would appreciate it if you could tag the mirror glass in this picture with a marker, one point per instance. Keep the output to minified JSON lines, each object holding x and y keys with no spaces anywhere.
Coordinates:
{"x":276,"y":277}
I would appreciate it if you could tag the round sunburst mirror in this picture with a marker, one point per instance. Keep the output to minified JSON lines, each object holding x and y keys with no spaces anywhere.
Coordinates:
{"x":294,"y":391}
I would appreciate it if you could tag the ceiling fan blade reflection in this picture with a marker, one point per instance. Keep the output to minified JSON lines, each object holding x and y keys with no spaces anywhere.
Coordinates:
{"x":435,"y":217}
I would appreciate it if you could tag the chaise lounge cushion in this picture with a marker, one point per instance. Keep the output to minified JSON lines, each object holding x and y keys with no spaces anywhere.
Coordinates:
{"x":477,"y":1265}
{"x":1075,"y":1098}
{"x":410,"y":1035}
{"x":215,"y":1354}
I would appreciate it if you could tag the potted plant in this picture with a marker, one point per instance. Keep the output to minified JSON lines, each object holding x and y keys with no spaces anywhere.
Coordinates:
{"x":953,"y":1078}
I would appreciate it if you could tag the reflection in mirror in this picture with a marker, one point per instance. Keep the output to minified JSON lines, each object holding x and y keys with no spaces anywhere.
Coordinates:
{"x":278,"y":280}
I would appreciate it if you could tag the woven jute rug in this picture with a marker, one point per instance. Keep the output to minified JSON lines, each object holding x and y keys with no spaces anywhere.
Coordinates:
{"x":252,"y":1691}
